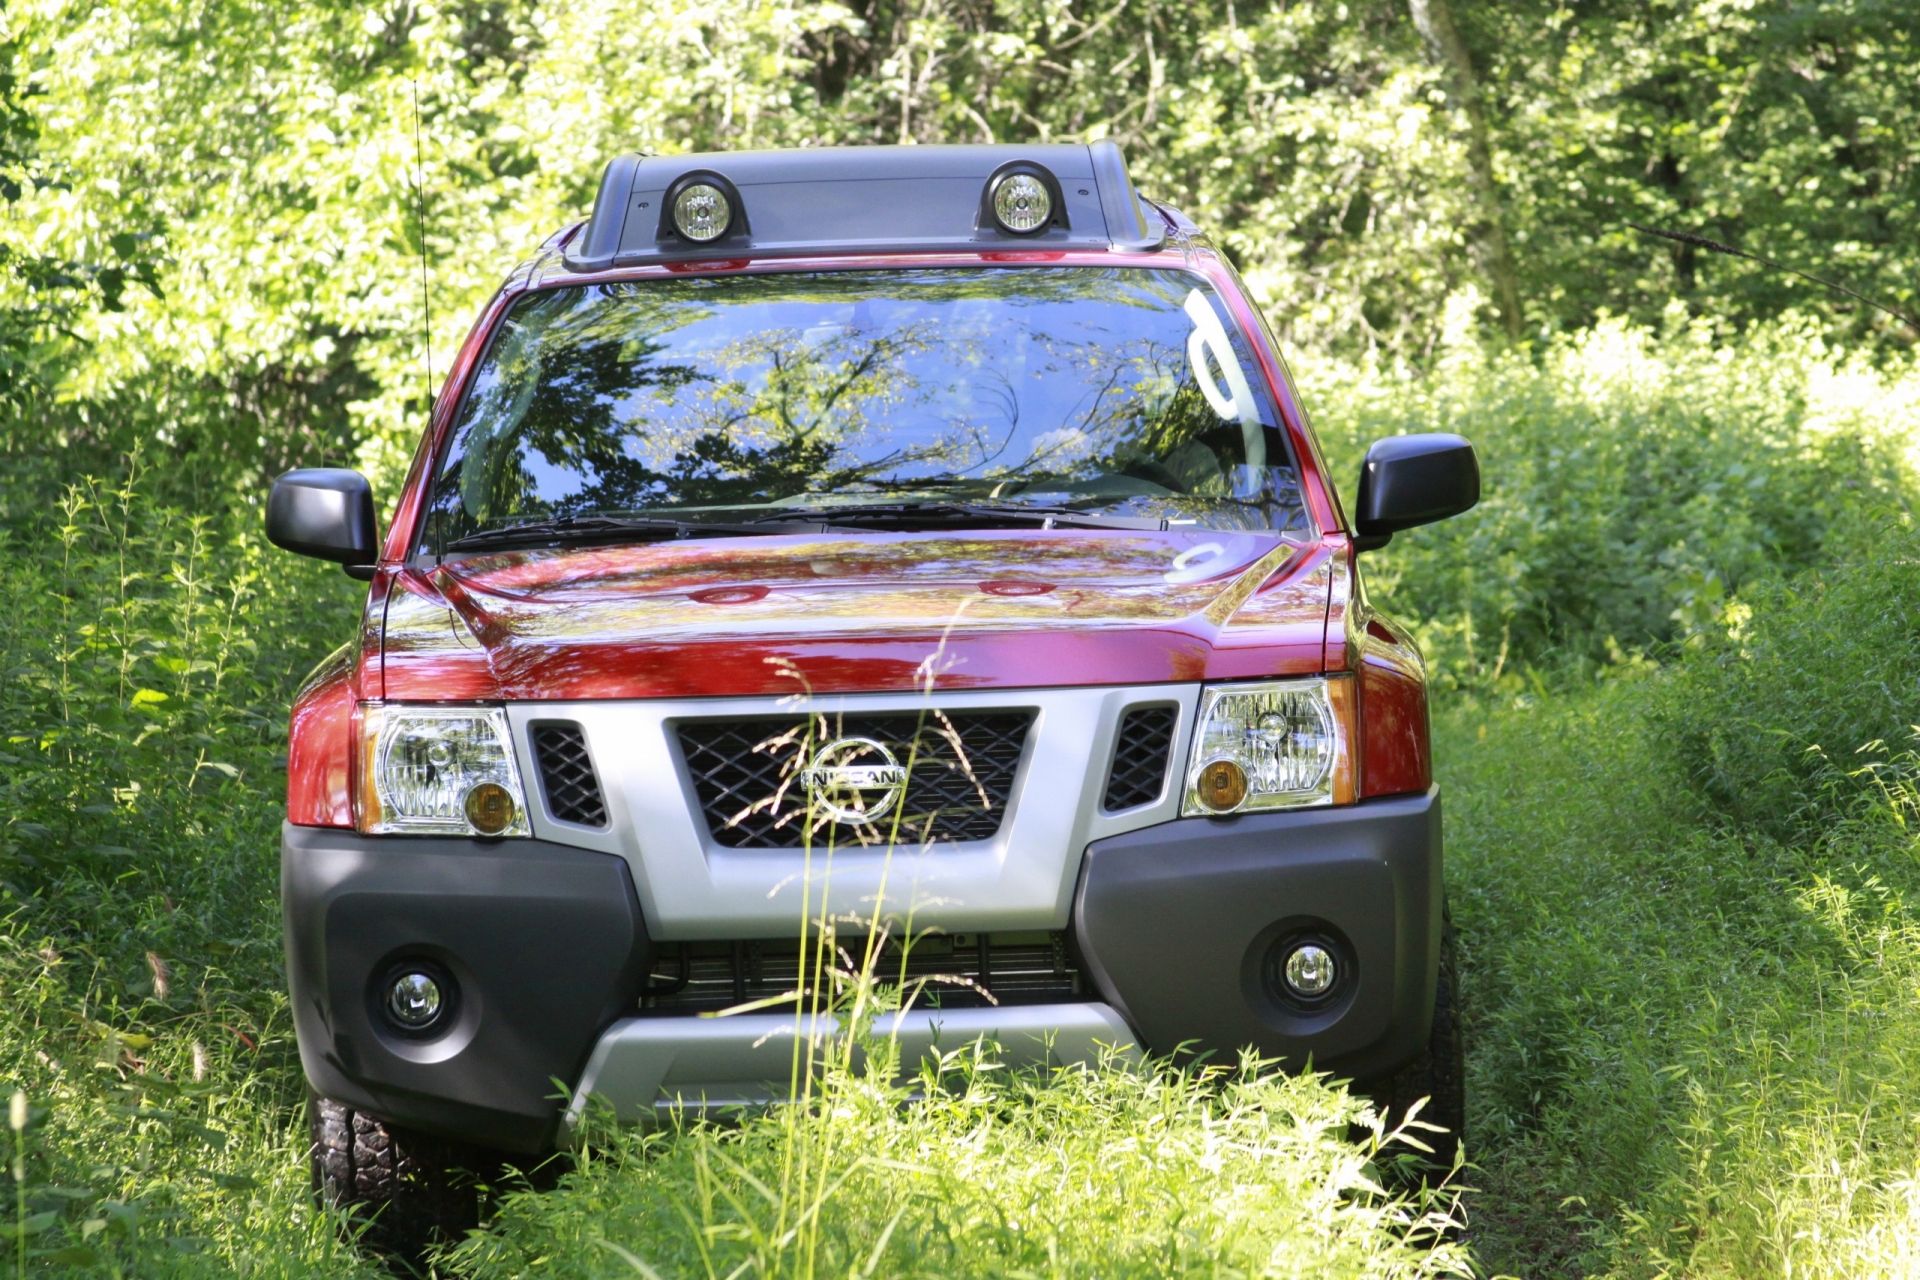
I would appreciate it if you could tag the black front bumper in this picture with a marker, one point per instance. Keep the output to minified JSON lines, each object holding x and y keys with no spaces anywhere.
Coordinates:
{"x":543,"y":943}
{"x":1183,"y":926}
{"x":1178,"y":927}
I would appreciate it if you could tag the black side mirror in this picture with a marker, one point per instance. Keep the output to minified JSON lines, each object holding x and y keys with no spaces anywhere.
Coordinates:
{"x":327,"y":513}
{"x":1413,"y":480}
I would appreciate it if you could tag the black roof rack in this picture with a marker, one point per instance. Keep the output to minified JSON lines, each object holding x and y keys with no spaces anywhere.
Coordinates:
{"x":863,"y":199}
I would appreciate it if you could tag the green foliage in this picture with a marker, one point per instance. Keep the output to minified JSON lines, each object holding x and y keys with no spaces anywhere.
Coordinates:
{"x":42,"y":289}
{"x":1692,"y":1041}
{"x":1632,"y":484}
{"x":239,"y":276}
{"x":146,"y":657}
{"x":1117,"y":1171}
{"x":1808,"y":687}
{"x":1781,"y":128}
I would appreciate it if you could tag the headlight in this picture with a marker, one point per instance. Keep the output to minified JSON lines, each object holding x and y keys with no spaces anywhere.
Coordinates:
{"x":439,"y":771}
{"x":1278,"y":745}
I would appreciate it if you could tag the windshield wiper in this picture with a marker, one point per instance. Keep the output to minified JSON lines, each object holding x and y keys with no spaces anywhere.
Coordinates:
{"x":945,"y":513}
{"x":608,"y":528}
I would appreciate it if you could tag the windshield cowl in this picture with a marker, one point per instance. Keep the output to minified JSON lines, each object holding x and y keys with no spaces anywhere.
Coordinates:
{"x":571,"y":530}
{"x":940,"y":514}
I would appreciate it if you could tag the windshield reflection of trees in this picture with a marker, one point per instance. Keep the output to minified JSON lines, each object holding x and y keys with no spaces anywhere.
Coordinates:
{"x":1072,"y":384}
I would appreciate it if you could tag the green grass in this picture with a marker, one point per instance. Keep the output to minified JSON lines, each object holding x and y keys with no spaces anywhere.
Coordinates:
{"x":1692,"y":1042}
{"x":1119,"y":1171}
{"x":146,"y":658}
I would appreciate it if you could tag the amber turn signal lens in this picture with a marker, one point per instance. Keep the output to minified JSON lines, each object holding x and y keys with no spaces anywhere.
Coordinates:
{"x":1221,"y":785}
{"x":490,"y":808}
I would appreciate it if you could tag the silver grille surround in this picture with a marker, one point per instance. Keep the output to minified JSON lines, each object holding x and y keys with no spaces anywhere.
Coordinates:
{"x":691,"y":887}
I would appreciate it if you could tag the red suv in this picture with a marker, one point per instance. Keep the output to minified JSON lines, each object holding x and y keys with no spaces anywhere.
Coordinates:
{"x":944,"y":514}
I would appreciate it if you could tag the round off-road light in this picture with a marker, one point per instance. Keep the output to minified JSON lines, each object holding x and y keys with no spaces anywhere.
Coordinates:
{"x":1221,"y":785}
{"x":414,"y":1000}
{"x":702,"y":212}
{"x":1309,"y":971}
{"x":489,"y":808}
{"x":1021,"y":203}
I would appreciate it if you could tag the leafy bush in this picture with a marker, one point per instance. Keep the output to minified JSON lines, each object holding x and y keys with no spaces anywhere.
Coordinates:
{"x":1631,"y":484}
{"x":1813,"y":679}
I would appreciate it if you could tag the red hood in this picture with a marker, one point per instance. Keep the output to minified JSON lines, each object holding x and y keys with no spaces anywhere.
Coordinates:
{"x":859,"y":613}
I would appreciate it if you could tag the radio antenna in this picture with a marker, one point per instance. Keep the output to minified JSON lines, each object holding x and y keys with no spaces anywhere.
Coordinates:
{"x":420,"y":220}
{"x":420,"y":225}
{"x":1702,"y":242}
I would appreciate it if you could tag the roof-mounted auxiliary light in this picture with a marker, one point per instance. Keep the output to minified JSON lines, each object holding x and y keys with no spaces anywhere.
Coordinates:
{"x":1022,"y":198}
{"x":701,"y":212}
{"x":702,"y":208}
{"x":1021,"y":203}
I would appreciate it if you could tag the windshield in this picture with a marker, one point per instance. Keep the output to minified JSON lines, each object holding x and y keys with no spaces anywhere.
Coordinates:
{"x":1112,"y":391}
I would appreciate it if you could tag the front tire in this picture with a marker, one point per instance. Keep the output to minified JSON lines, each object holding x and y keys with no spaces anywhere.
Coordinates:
{"x":1439,"y":1074}
{"x":409,"y":1189}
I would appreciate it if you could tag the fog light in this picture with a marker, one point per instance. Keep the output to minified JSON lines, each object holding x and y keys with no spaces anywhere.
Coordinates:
{"x":702,"y":212}
{"x":414,"y":1000}
{"x":1021,"y":203}
{"x":489,"y":808}
{"x":1220,"y":785}
{"x":1310,"y":971}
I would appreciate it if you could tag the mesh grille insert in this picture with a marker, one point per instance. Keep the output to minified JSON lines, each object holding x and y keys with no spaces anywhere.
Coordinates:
{"x":1140,"y":753}
{"x":940,"y":971}
{"x":961,"y":770}
{"x":566,"y":775}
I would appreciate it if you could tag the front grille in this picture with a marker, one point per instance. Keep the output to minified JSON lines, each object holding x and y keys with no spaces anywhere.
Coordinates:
{"x":566,"y":775}
{"x":1140,"y":753}
{"x":958,"y":971}
{"x":961,"y":766}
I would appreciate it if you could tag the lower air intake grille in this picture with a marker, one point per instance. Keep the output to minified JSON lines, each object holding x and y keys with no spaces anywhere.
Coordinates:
{"x":1140,"y":752}
{"x":960,"y":771}
{"x":943,"y":971}
{"x":566,"y":775}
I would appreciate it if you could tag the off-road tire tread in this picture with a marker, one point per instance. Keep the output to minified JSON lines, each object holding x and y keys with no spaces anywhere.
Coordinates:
{"x":408,"y":1188}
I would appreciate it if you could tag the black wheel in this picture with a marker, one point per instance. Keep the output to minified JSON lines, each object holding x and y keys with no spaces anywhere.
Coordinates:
{"x":409,"y":1189}
{"x":1439,"y":1074}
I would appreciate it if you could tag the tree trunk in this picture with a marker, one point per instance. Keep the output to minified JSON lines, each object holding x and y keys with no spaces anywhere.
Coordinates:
{"x":1434,"y":20}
